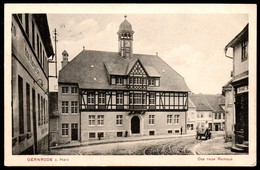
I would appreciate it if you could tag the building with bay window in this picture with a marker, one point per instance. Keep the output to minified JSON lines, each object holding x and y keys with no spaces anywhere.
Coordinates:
{"x":31,"y":48}
{"x":111,"y":94}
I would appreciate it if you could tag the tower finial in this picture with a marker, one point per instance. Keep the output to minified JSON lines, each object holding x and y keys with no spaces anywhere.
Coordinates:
{"x":125,"y":16}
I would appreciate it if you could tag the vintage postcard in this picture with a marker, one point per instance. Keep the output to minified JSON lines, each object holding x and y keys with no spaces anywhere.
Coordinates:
{"x":130,"y":84}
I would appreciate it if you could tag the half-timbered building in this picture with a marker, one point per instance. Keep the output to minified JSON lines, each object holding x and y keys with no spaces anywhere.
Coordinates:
{"x":117,"y":94}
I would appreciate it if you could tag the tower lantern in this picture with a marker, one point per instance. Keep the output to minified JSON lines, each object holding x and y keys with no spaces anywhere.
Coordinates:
{"x":125,"y":39}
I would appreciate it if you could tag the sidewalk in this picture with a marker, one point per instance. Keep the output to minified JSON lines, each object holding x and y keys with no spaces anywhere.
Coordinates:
{"x":116,"y":140}
{"x":215,"y":146}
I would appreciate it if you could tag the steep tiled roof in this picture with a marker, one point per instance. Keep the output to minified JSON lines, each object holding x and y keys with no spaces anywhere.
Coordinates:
{"x":191,"y":103}
{"x":90,"y":70}
{"x":207,"y":102}
{"x":200,"y":102}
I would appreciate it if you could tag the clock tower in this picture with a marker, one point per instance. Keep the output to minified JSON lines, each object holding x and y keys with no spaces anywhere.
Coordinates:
{"x":125,"y":40}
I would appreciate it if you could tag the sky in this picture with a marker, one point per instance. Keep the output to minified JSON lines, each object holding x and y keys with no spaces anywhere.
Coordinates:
{"x":192,"y":44}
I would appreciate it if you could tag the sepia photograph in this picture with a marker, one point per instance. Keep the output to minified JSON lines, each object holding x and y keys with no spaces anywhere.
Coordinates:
{"x":113,"y":85}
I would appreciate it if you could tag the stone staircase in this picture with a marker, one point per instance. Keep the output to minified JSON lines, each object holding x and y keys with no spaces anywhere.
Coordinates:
{"x":243,"y":148}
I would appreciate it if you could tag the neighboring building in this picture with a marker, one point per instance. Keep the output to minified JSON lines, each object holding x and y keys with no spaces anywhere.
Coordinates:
{"x":54,"y":118}
{"x":239,"y":82}
{"x":111,"y":94}
{"x":191,"y":117}
{"x":209,"y":111}
{"x":228,"y":92}
{"x":31,"y":48}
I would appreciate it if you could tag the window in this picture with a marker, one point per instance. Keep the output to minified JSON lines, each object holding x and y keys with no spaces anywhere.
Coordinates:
{"x":176,"y":119}
{"x":138,"y":80}
{"x":65,"y":107}
{"x":38,"y":46}
{"x":21,"y":111}
{"x":219,"y":115}
{"x":216,"y":116}
{"x":151,"y":119}
{"x":74,"y":90}
{"x":74,"y":107}
{"x":102,"y":98}
{"x":27,"y":24}
{"x":169,"y":131}
{"x":39,"y":109}
{"x":113,"y":80}
{"x":119,"y":119}
{"x":119,"y":81}
{"x":100,"y":120}
{"x":65,"y":129}
{"x":119,"y":134}
{"x":92,"y":135}
{"x":202,"y":115}
{"x":152,"y":98}
{"x":137,"y":98}
{"x":40,"y":53}
{"x":210,"y":115}
{"x":151,"y":82}
{"x":244,"y":55}
{"x":91,"y":98}
{"x":65,"y":90}
{"x":169,"y":119}
{"x":28,"y":108}
{"x":91,"y":119}
{"x":151,"y":133}
{"x":119,"y":98}
{"x":33,"y":36}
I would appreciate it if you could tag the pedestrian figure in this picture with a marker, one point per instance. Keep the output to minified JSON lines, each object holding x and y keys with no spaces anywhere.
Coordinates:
{"x":99,"y":136}
{"x":126,"y":132}
{"x":181,"y":130}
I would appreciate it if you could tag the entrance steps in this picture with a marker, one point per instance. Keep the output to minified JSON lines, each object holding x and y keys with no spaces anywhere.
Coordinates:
{"x":240,"y":147}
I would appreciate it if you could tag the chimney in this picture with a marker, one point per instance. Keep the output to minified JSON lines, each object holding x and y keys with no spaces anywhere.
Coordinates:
{"x":65,"y":60}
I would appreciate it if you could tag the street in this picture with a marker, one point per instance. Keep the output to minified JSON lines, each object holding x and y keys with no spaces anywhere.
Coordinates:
{"x":172,"y":146}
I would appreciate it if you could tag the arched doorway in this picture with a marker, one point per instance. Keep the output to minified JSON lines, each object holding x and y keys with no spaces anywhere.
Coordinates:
{"x":135,"y":125}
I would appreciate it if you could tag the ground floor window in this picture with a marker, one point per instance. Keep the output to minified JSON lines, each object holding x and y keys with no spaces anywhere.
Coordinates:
{"x":190,"y":126}
{"x":92,"y":135}
{"x":169,"y":119}
{"x":100,"y":120}
{"x":119,"y":119}
{"x":65,"y":129}
{"x":91,"y":119}
{"x":151,"y":119}
{"x":119,"y":134}
{"x":151,"y":133}
{"x":176,"y":119}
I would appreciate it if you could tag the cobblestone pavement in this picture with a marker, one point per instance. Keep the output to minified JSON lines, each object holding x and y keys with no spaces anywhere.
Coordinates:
{"x":173,"y":146}
{"x":185,"y":145}
{"x":217,"y":146}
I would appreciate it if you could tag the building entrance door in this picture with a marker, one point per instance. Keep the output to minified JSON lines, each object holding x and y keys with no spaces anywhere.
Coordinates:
{"x":74,"y":131}
{"x":216,"y":127}
{"x":135,"y":125}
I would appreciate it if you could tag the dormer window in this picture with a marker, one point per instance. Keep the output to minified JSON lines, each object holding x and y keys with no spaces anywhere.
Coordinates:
{"x":151,"y":82}
{"x":119,"y":81}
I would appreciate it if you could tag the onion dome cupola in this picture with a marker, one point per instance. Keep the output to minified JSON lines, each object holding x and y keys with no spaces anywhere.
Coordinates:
{"x":125,"y":40}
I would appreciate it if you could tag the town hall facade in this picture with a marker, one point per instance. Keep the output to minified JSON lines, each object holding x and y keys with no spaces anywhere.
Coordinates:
{"x":114,"y":94}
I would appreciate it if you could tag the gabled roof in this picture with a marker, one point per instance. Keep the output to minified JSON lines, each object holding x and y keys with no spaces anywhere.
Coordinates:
{"x":207,"y":102}
{"x":243,"y":35}
{"x":89,"y":69}
{"x":191,"y":104}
